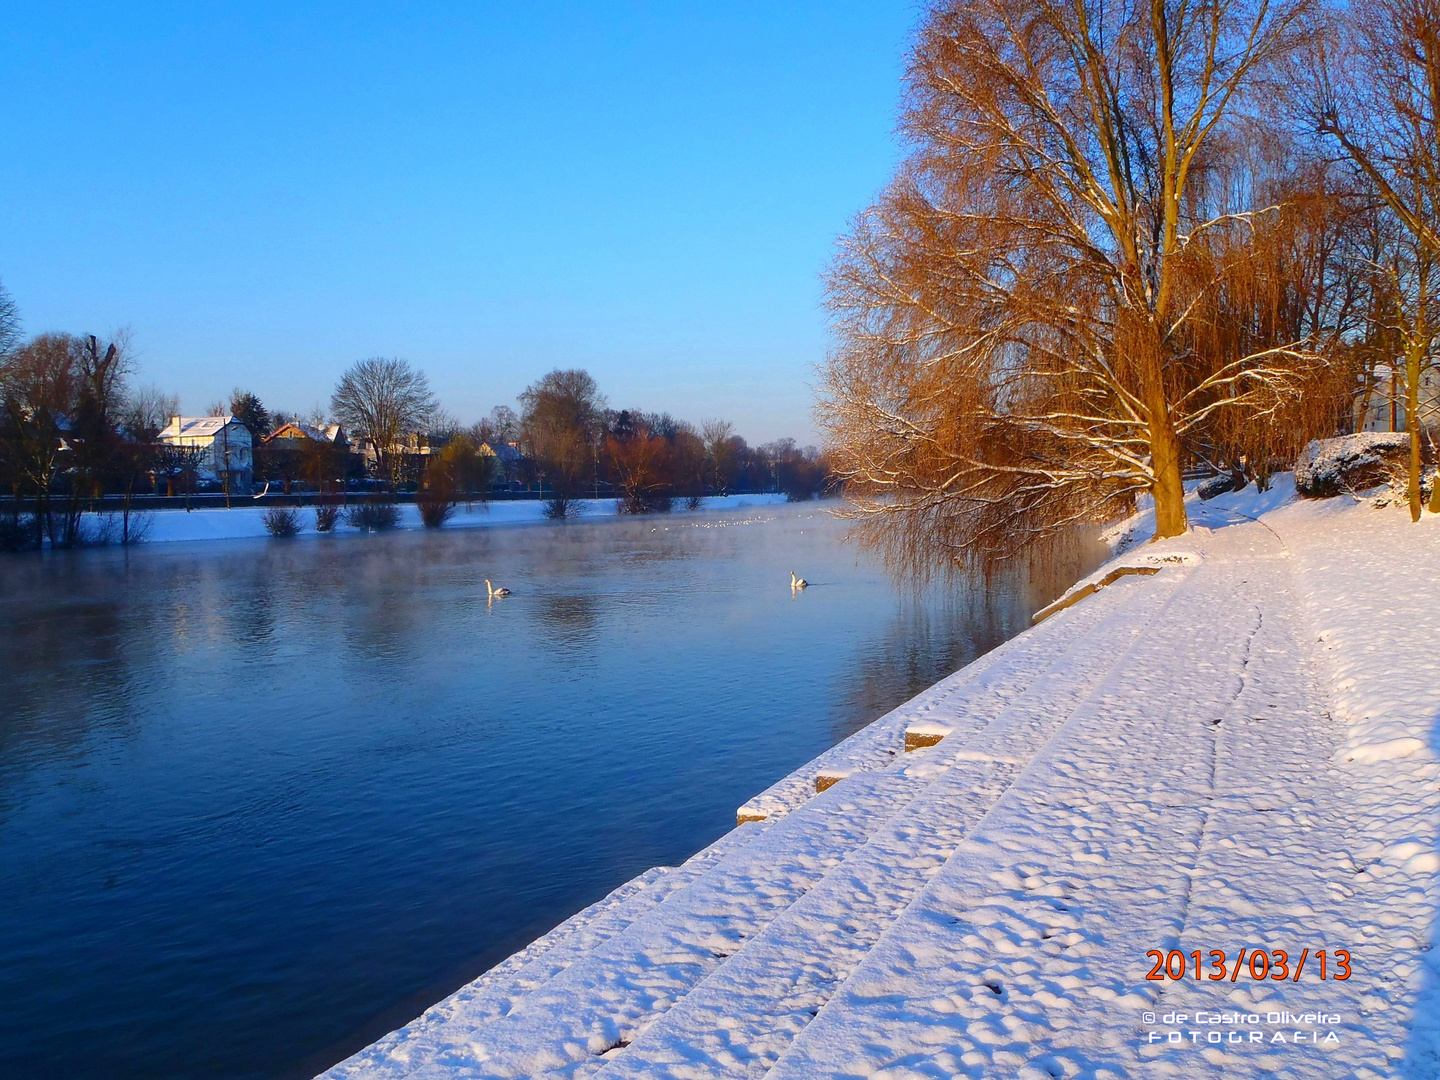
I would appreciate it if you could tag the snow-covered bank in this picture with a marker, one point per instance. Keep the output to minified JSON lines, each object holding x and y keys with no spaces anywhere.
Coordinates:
{"x":242,"y":522}
{"x":1236,"y":752}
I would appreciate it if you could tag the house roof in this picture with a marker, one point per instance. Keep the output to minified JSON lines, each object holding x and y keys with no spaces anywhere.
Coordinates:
{"x":504,"y":451}
{"x":295,"y":430}
{"x":196,"y":427}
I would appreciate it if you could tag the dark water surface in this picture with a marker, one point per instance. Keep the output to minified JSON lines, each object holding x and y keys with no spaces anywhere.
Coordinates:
{"x":262,"y":801}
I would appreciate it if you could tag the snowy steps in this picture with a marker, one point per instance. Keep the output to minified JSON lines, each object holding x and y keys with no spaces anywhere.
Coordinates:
{"x":735,"y":953}
{"x":1020,"y":956}
{"x":494,"y":992}
{"x":958,"y":703}
{"x":743,"y":1018}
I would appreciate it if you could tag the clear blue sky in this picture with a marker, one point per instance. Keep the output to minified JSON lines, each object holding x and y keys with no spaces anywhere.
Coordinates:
{"x":266,"y":192}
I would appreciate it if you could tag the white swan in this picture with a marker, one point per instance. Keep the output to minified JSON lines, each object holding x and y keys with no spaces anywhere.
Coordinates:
{"x":494,"y":592}
{"x":798,"y":582}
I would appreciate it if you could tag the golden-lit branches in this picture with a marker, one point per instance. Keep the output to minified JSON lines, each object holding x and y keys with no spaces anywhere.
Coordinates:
{"x":1075,"y":278}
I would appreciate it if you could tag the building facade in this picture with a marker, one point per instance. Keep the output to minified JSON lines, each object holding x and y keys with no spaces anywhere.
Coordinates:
{"x":225,"y":446}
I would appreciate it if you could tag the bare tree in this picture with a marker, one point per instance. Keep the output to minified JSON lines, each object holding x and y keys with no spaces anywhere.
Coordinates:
{"x":9,"y":322}
{"x":379,"y":399}
{"x":501,"y":426}
{"x":62,"y":400}
{"x":1027,"y":318}
{"x":1376,"y":95}
{"x":720,"y":450}
{"x":561,"y":428}
{"x":146,"y":411}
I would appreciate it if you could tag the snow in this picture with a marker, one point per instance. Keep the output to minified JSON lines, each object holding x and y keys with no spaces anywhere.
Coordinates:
{"x":244,"y":522}
{"x":1329,"y":466}
{"x":1236,"y":751}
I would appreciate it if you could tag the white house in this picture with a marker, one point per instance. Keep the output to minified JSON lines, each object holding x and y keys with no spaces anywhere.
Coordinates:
{"x":1388,"y":398}
{"x":228,"y":457}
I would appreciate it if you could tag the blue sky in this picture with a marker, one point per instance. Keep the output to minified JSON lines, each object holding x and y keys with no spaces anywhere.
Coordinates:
{"x":267,"y":192}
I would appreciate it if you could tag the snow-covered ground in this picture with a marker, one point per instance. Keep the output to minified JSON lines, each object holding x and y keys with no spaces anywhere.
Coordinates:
{"x":241,"y":522}
{"x":1236,"y":752}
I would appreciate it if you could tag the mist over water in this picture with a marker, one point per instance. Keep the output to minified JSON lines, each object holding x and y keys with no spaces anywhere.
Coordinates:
{"x":262,"y":801}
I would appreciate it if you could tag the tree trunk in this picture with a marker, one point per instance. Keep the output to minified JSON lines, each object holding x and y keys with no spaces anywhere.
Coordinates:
{"x":1168,"y":488}
{"x":1412,"y":424}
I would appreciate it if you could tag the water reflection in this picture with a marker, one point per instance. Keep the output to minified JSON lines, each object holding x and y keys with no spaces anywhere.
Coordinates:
{"x":260,"y":801}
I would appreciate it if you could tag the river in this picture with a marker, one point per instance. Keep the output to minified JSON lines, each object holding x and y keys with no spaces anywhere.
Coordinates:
{"x":262,"y":801}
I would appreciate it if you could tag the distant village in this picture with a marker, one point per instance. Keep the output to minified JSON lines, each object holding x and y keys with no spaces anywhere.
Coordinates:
{"x":77,"y":437}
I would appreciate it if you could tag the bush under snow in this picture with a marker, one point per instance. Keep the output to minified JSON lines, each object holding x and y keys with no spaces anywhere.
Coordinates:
{"x":1350,"y":463}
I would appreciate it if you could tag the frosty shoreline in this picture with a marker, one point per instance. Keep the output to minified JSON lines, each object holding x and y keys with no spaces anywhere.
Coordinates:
{"x":1238,"y":751}
{"x":247,"y":522}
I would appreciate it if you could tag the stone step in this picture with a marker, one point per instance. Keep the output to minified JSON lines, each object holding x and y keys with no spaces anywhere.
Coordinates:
{"x":1019,"y":954}
{"x":745,"y":1014}
{"x":599,"y":1004}
{"x":971,"y":695}
{"x":493,"y":993}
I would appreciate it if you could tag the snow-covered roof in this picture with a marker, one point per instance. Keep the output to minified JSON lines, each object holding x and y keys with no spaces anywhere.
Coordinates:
{"x":195,"y":427}
{"x":504,"y":451}
{"x":297,"y":430}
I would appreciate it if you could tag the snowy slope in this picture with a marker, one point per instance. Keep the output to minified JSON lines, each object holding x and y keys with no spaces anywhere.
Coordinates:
{"x":1236,"y":752}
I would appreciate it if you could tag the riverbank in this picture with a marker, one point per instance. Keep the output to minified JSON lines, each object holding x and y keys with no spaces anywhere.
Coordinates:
{"x":1237,"y":751}
{"x":245,"y":522}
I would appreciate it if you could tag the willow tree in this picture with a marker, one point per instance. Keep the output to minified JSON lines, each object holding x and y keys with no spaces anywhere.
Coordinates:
{"x":1376,"y":95}
{"x":1031,"y":325}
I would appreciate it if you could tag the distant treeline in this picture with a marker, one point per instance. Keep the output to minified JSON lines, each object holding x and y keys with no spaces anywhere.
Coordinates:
{"x":74,"y":429}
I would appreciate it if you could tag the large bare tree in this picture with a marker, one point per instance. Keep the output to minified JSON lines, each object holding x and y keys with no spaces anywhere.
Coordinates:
{"x":380,"y":399}
{"x":1037,"y":320}
{"x":1377,"y":97}
{"x":561,"y":427}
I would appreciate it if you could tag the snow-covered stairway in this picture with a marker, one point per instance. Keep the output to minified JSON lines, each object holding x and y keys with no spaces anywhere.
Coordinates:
{"x":1024,"y":956}
{"x":495,"y":992}
{"x":743,"y":1016}
{"x":597,"y":1004}
{"x":973,"y":694}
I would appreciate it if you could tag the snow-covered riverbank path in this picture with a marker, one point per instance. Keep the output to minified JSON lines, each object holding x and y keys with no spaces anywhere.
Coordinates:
{"x":1233,"y":753}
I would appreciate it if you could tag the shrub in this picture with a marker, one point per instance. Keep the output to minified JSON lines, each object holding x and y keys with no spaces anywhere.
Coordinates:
{"x":326,"y":515}
{"x":640,"y":503}
{"x":434,"y":506}
{"x":373,"y":516}
{"x":282,"y":521}
{"x":19,"y":533}
{"x":561,"y":507}
{"x":1350,"y":463}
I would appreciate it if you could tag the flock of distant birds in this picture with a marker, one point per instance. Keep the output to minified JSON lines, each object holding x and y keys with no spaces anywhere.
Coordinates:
{"x":493,"y":594}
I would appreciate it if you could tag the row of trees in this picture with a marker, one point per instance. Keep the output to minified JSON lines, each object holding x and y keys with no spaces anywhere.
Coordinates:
{"x":577,"y":444}
{"x":1128,"y":239}
{"x":569,"y":442}
{"x":73,"y":428}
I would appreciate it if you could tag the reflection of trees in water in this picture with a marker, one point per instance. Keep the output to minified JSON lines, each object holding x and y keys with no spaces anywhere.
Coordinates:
{"x":70,"y":670}
{"x":570,"y":622}
{"x":939,"y":630}
{"x":930,"y":636}
{"x":392,"y":603}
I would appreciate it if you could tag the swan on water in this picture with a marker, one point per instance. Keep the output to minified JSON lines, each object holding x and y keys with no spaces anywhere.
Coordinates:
{"x":798,"y":582}
{"x":494,"y":592}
